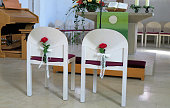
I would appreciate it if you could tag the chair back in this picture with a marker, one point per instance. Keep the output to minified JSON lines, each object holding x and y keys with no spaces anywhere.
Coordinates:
{"x":56,"y":39}
{"x":117,"y":45}
{"x":140,"y":27}
{"x":167,"y":27}
{"x":153,"y":27}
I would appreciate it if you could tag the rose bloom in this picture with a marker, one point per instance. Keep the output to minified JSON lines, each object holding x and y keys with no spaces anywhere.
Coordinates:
{"x":80,"y":2}
{"x":44,"y":39}
{"x":102,"y":45}
{"x":102,"y":3}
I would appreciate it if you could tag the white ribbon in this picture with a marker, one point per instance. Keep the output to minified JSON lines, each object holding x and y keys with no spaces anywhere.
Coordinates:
{"x":102,"y":63}
{"x":47,"y":69}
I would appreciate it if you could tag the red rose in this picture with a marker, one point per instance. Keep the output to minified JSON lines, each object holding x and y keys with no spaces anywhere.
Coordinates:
{"x":102,"y":45}
{"x":80,"y":2}
{"x":44,"y":39}
{"x":102,"y":3}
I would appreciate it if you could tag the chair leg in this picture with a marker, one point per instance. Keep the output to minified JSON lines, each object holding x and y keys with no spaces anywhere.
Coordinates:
{"x":141,"y":40}
{"x":46,"y":79}
{"x":168,"y":40}
{"x":95,"y":81}
{"x":145,"y":40}
{"x":83,"y":83}
{"x":124,"y":84}
{"x":72,"y":37}
{"x":73,"y":75}
{"x":160,"y":41}
{"x":163,"y":40}
{"x":65,"y":82}
{"x":29,"y":79}
{"x":157,"y":40}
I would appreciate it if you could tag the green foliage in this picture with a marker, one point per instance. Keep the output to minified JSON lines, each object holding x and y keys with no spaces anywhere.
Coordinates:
{"x":101,"y":50}
{"x":135,"y":8}
{"x":147,"y":8}
{"x":45,"y":51}
{"x":90,"y":6}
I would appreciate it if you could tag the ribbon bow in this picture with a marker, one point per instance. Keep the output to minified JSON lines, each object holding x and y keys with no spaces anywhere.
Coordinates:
{"x":47,"y":69}
{"x":102,"y":63}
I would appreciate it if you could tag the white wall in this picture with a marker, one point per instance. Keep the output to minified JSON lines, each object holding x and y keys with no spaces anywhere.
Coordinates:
{"x":48,"y":10}
{"x":161,"y":11}
{"x":53,"y":10}
{"x":24,"y":3}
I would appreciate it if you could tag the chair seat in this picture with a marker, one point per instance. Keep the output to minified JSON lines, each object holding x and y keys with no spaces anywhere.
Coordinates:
{"x":131,"y":63}
{"x":152,"y":32}
{"x":108,"y":63}
{"x":140,"y":32}
{"x":165,"y":33}
{"x":136,"y":64}
{"x":52,"y":59}
{"x":76,"y":30}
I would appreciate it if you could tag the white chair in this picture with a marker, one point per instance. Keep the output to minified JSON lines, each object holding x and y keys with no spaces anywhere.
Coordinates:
{"x":166,"y":32}
{"x":141,"y":32}
{"x":118,"y":50}
{"x":152,"y":29}
{"x":57,"y":57}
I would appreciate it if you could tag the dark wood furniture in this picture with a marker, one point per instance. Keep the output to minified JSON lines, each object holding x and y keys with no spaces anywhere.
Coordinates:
{"x":15,"y":24}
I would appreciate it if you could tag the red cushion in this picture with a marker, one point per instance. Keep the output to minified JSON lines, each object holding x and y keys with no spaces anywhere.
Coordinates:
{"x":51,"y":59}
{"x":152,"y":32}
{"x":76,"y":30}
{"x":131,"y":63}
{"x":140,"y":32}
{"x":136,"y":64}
{"x":165,"y":33}
{"x":107,"y":63}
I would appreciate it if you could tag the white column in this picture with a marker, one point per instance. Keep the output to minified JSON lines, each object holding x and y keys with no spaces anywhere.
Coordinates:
{"x":132,"y":37}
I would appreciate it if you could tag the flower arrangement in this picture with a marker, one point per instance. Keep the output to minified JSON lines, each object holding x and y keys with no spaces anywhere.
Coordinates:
{"x":90,"y":5}
{"x":102,"y":47}
{"x":45,"y":46}
{"x":81,"y":6}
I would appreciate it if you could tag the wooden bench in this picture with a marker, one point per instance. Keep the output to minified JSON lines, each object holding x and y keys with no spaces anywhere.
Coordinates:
{"x":136,"y":69}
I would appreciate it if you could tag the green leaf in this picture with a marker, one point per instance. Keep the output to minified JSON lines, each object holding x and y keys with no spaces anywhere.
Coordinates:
{"x":101,"y":50}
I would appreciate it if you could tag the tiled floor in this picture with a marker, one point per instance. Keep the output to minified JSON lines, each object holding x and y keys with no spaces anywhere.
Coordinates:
{"x":154,"y":92}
